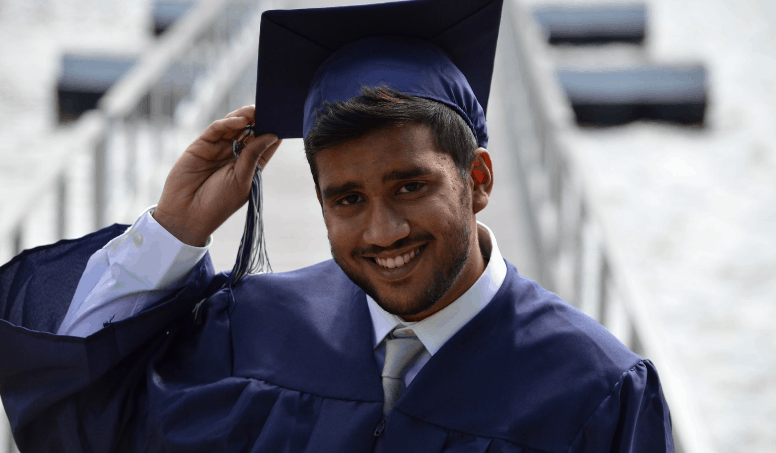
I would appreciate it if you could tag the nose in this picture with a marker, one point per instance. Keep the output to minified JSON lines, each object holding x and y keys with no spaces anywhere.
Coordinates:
{"x":385,"y":226}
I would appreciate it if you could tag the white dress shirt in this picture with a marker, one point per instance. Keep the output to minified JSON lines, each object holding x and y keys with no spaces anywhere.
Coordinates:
{"x":147,"y":263}
{"x":131,"y":272}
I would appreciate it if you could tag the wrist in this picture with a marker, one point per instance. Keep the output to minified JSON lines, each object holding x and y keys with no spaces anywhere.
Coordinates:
{"x":181,"y":230}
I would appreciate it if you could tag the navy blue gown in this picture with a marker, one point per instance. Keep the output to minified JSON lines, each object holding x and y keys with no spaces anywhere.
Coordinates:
{"x":284,"y":363}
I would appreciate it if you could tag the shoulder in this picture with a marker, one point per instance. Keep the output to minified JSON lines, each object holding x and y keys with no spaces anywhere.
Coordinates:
{"x":563,"y":355}
{"x":306,"y":330}
{"x":560,"y":331}
{"x":540,"y":366}
{"x":310,"y":291}
{"x":554,"y":350}
{"x":320,"y":280}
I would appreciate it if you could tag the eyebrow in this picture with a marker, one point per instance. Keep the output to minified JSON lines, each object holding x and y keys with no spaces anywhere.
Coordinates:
{"x":396,"y":175}
{"x":335,"y":191}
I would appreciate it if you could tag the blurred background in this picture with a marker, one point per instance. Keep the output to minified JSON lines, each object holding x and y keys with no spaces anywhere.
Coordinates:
{"x":633,"y":145}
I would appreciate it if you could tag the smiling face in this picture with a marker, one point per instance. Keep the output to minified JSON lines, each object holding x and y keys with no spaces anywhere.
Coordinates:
{"x":401,"y":220}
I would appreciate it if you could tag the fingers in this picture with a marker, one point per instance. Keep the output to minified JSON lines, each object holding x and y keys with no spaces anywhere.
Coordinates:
{"x":267,"y":155}
{"x":248,"y":112}
{"x":227,"y":128}
{"x":232,"y":123}
{"x":252,"y":153}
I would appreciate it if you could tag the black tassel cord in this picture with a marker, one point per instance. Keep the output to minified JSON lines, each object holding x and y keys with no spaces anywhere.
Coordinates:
{"x":252,"y":255}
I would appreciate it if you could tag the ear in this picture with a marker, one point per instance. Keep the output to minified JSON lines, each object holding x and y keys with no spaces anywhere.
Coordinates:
{"x":481,"y":179}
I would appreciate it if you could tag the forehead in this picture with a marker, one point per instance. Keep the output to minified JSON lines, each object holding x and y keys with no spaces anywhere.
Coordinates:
{"x":381,"y":152}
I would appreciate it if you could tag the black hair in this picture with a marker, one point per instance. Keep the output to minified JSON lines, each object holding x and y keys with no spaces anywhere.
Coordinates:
{"x":343,"y":121}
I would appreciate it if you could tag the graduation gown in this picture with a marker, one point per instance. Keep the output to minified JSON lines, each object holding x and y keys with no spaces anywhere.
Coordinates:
{"x":284,"y":363}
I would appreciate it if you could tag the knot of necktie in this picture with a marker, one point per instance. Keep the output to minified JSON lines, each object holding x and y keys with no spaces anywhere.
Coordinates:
{"x":402,"y":349}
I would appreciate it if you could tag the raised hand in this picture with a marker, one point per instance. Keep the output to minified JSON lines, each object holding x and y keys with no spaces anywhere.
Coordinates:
{"x":207,"y":185}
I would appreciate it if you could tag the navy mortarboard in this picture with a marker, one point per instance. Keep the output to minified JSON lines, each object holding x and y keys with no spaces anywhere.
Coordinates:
{"x":436,"y":49}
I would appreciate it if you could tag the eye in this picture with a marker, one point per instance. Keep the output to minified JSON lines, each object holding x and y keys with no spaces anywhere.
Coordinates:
{"x":411,"y":187}
{"x":349,"y":200}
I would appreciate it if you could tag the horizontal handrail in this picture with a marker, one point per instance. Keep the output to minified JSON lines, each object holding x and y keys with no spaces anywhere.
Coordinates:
{"x":121,"y":100}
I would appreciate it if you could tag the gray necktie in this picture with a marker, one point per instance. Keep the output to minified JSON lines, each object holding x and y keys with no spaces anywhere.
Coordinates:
{"x":402,"y":349}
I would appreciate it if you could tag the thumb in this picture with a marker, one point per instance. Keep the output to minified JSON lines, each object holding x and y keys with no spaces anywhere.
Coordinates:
{"x":250,"y":155}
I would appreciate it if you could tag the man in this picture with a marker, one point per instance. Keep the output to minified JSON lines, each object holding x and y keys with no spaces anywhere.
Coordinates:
{"x":419,"y":337}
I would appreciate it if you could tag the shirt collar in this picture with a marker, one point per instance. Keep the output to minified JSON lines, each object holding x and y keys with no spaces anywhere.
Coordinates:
{"x":435,"y":330}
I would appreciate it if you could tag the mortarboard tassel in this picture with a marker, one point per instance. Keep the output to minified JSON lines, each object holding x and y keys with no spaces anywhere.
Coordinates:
{"x":252,"y":255}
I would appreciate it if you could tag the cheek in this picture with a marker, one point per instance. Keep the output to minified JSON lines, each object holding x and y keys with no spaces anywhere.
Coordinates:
{"x":342,"y":235}
{"x":435,"y":215}
{"x":453,"y":213}
{"x":339,"y":226}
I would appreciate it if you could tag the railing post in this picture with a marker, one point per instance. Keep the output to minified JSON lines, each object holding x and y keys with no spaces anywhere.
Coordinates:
{"x":101,"y":183}
{"x":590,"y":294}
{"x":579,"y":250}
{"x":130,"y":130}
{"x":61,"y":205}
{"x":18,"y":238}
{"x":603,"y":290}
{"x":567,"y":261}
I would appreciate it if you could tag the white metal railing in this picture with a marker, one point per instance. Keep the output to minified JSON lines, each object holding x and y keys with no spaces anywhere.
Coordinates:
{"x":113,"y":162}
{"x":128,"y":135}
{"x":578,"y":255}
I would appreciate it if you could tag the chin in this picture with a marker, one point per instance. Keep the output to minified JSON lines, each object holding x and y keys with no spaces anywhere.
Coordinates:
{"x":398,"y":302}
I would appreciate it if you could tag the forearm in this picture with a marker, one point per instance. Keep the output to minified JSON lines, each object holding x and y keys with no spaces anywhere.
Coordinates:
{"x":132,"y":272}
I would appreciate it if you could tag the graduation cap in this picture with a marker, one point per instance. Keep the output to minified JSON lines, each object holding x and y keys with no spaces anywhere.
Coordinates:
{"x":442,"y":50}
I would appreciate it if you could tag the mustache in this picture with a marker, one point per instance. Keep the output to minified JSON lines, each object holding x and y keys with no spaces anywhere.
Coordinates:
{"x":400,"y":244}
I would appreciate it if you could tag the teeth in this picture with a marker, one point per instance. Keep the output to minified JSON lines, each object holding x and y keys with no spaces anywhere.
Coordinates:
{"x":399,"y":261}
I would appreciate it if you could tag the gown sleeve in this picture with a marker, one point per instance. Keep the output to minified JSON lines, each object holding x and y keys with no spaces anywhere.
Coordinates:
{"x":62,"y":393}
{"x":633,"y":418}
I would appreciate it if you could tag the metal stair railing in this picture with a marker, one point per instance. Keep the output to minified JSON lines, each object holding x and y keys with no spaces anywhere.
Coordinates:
{"x":578,"y":255}
{"x":97,"y":168}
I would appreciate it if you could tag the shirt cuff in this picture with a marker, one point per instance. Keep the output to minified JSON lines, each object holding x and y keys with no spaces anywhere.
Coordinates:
{"x":152,"y":255}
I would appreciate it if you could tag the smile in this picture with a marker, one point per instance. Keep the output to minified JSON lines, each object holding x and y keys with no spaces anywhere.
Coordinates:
{"x":398,"y":261}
